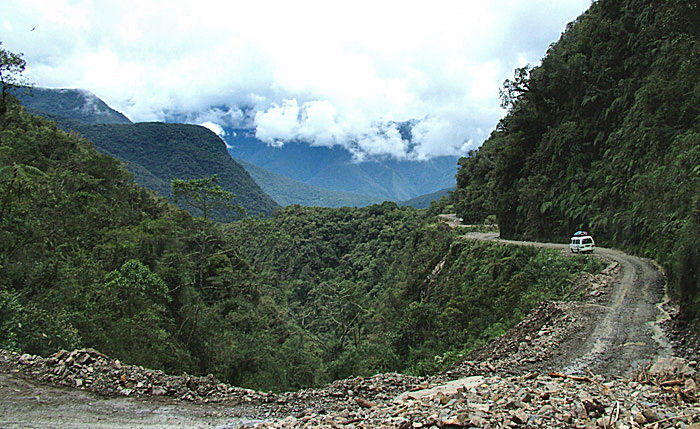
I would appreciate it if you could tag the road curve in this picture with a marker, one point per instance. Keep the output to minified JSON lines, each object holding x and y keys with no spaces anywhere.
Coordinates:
{"x":627,"y":331}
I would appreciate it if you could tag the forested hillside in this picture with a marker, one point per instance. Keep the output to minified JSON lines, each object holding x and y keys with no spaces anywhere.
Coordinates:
{"x":89,"y":259}
{"x":156,"y":153}
{"x":604,"y":135}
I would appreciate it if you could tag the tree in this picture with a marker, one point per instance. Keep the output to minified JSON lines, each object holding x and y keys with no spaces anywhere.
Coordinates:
{"x":204,"y":195}
{"x":11,"y":68}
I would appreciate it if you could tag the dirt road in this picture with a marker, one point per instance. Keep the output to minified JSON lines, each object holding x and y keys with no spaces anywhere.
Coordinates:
{"x":625,"y":333}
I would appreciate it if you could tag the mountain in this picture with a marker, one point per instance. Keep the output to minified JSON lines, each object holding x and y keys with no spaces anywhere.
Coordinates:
{"x":76,"y":104}
{"x":286,"y":191}
{"x":423,"y":201}
{"x":155,"y":152}
{"x":333,"y":168}
{"x":604,"y":136}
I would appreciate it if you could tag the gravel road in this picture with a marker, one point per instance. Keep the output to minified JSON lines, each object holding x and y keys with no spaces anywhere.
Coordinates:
{"x":624,"y":334}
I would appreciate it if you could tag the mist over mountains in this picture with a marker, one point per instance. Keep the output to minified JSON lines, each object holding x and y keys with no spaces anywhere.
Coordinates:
{"x":293,"y":173}
{"x":334,"y":167}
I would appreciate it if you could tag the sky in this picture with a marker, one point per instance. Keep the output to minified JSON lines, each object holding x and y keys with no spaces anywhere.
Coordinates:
{"x":324,"y":72}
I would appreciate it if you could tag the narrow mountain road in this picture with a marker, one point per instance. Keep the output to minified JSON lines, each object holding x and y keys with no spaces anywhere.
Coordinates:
{"x":625,"y":333}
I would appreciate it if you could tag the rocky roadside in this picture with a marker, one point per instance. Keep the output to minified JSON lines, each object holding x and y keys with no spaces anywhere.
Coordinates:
{"x":663,"y":396}
{"x":88,"y":369}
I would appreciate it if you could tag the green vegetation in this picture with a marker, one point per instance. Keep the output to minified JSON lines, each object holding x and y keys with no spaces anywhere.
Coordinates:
{"x":361,"y":284}
{"x":156,"y":153}
{"x":73,"y":104}
{"x":604,"y":135}
{"x":12,"y":66}
{"x":205,"y":197}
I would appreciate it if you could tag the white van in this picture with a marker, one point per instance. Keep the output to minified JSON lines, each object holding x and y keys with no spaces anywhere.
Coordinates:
{"x":581,"y":242}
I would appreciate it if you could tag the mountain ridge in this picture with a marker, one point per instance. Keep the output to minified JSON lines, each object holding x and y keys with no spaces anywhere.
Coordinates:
{"x":155,"y":152}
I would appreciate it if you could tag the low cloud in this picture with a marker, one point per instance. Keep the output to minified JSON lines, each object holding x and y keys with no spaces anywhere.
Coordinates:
{"x":328,"y":73}
{"x":215,"y":128}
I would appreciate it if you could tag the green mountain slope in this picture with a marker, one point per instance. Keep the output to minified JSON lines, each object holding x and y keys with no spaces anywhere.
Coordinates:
{"x":90,"y":259}
{"x":75,"y":104}
{"x":424,"y":201}
{"x":155,"y":153}
{"x":604,"y":135}
{"x":286,"y":191}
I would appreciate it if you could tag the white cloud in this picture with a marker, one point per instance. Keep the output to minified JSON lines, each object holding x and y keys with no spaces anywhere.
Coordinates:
{"x":215,"y":128}
{"x":331,"y":73}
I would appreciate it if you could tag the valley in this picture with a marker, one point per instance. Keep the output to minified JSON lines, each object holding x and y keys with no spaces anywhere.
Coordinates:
{"x":541,"y":354}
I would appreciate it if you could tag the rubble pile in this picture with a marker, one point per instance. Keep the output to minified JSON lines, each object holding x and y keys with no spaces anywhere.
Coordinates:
{"x":357,"y":392}
{"x":526,"y":345}
{"x":538,"y":337}
{"x":531,"y":400}
{"x":595,"y":287}
{"x":89,"y":369}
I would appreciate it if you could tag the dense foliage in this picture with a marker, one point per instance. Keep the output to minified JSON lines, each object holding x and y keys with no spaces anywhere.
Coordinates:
{"x":362,"y":285}
{"x":604,"y":135}
{"x":87,"y":258}
{"x":156,"y":153}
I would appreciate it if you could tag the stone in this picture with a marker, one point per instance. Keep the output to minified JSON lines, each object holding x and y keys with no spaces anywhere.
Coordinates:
{"x":519,"y":417}
{"x":650,"y":415}
{"x":670,"y":366}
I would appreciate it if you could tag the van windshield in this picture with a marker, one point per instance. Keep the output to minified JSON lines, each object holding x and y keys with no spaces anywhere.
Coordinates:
{"x":587,"y":241}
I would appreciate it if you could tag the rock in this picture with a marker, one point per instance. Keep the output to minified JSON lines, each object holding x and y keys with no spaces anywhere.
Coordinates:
{"x":671,"y":367}
{"x":364,"y":403}
{"x":477,"y":421}
{"x":26,"y":359}
{"x":519,"y":417}
{"x":452,"y":422}
{"x":640,"y":419}
{"x":650,"y":415}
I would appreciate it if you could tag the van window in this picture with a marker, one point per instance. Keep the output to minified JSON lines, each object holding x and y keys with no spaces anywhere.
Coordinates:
{"x":587,"y":241}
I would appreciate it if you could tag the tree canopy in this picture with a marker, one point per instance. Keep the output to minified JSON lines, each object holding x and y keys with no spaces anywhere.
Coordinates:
{"x":205,"y":196}
{"x":603,"y":136}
